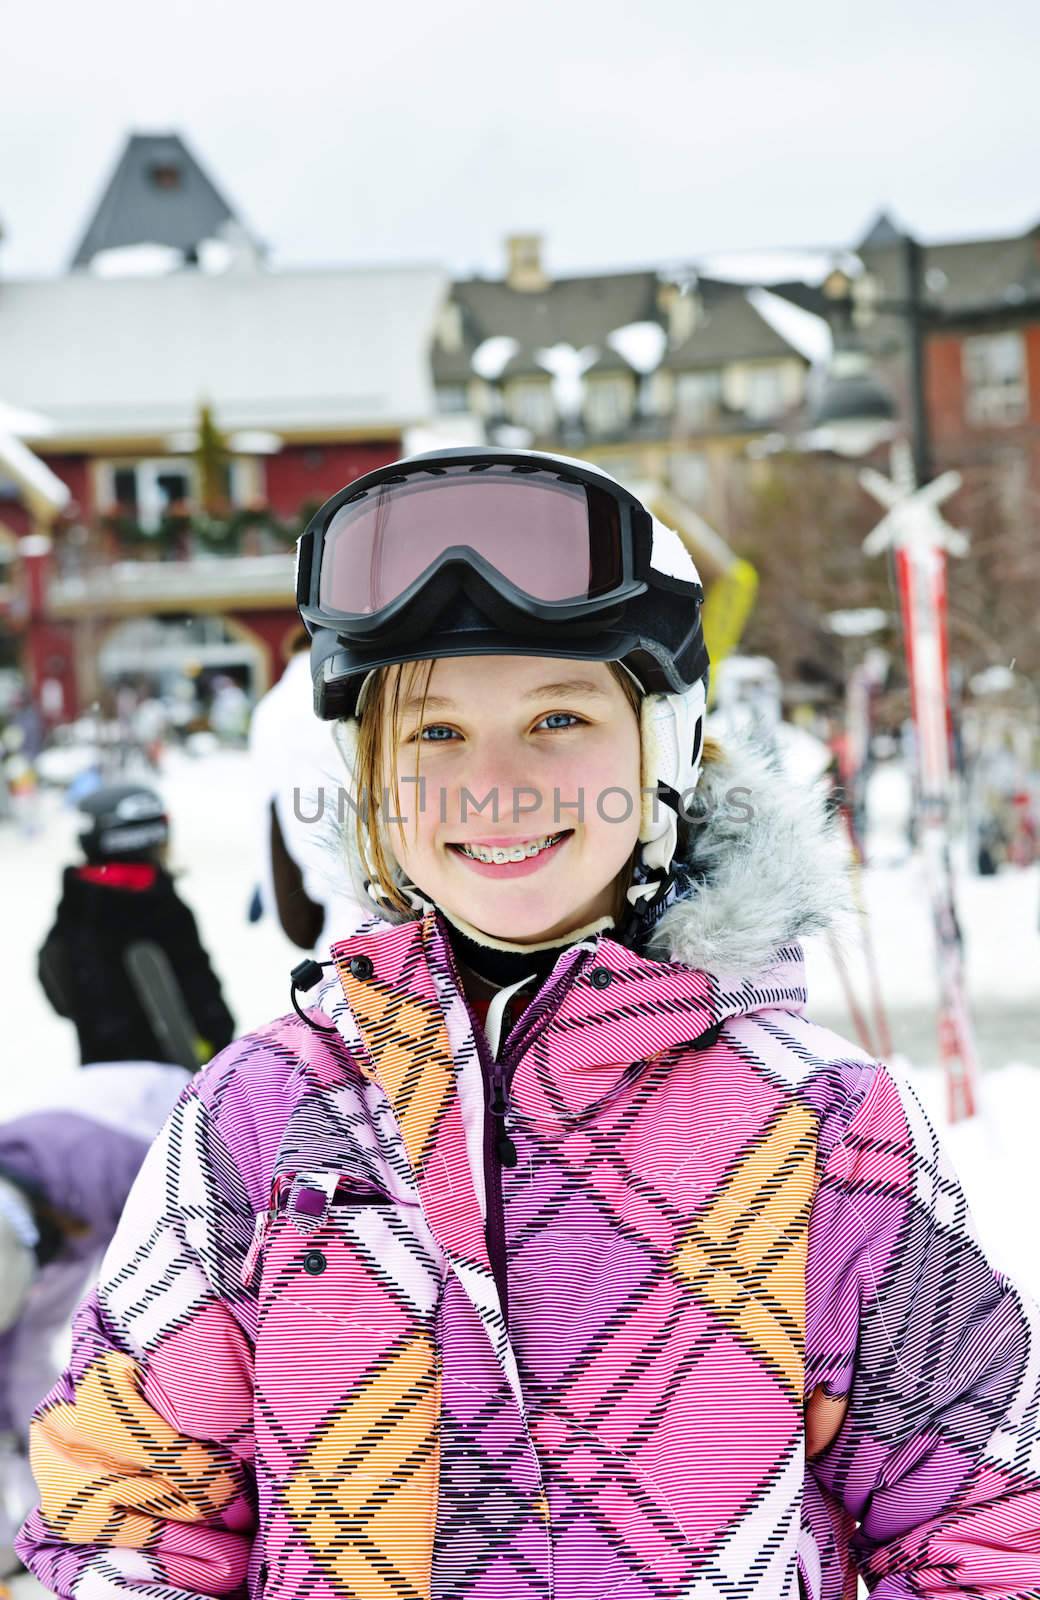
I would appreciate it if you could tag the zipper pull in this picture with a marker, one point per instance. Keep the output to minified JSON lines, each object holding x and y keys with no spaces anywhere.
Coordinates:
{"x":505,"y":1149}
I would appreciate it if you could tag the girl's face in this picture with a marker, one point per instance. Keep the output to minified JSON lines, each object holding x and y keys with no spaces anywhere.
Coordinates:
{"x":535,"y":757}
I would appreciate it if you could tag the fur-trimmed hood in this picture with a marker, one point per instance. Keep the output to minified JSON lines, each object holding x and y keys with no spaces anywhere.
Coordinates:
{"x":767,"y":866}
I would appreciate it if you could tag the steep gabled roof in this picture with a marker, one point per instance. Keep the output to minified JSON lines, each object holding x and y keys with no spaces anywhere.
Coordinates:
{"x":962,"y":275}
{"x":158,"y":194}
{"x":574,"y":311}
{"x":730,"y":330}
{"x":882,"y":231}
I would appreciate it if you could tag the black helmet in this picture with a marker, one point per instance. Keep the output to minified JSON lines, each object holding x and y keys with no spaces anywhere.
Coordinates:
{"x":127,"y":823}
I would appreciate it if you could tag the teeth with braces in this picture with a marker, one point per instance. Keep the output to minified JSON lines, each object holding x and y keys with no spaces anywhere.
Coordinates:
{"x":518,"y":852}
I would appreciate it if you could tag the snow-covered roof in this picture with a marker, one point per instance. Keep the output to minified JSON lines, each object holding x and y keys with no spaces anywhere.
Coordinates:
{"x":42,"y":488}
{"x":159,"y":194}
{"x":774,"y":266}
{"x":730,"y":328}
{"x":810,"y":335}
{"x":23,"y":424}
{"x":288,"y":351}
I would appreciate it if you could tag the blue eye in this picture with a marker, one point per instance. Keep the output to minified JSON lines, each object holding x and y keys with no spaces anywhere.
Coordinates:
{"x":437,"y":733}
{"x":561,"y":718}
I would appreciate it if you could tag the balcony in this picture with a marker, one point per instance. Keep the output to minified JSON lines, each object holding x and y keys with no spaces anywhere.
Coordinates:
{"x":199,"y":583}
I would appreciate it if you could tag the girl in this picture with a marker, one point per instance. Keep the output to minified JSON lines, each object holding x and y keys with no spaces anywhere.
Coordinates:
{"x":551,"y":1251}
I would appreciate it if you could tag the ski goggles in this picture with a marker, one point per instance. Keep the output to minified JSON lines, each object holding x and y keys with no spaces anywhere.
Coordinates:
{"x":554,"y":541}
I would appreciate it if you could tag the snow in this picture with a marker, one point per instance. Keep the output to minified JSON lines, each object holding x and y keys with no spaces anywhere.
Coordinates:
{"x":30,"y":473}
{"x":567,"y":366}
{"x":490,"y":358}
{"x":443,"y":433}
{"x":642,"y":344}
{"x":807,"y":333}
{"x":23,"y":424}
{"x":136,"y":260}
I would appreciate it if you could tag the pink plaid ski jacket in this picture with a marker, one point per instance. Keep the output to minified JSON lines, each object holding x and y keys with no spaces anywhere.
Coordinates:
{"x":340,"y":1351}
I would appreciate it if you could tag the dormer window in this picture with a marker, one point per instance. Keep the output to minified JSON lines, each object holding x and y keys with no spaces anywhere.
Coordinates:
{"x":698,"y":398}
{"x":608,"y":402}
{"x":165,"y":175}
{"x":530,"y":402}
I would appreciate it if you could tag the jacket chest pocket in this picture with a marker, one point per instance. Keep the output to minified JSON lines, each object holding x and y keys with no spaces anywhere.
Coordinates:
{"x":347,"y":1378}
{"x":349,"y":1287}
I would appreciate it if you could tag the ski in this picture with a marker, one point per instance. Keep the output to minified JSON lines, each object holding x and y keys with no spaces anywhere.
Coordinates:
{"x":922,"y":588}
{"x":920,"y":539}
{"x":155,"y":984}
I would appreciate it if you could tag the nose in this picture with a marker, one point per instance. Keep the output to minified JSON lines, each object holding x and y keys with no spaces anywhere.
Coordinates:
{"x":498,"y":785}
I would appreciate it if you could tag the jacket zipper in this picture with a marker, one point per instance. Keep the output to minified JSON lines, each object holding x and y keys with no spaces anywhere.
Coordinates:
{"x":499,"y":1148}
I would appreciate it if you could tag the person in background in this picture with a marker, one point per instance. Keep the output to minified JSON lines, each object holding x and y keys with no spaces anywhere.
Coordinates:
{"x":122,"y":896}
{"x":304,"y":880}
{"x":229,"y":711}
{"x":65,"y":1171}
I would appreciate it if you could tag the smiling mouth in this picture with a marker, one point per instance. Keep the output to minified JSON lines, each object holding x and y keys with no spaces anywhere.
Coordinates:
{"x":498,"y":855}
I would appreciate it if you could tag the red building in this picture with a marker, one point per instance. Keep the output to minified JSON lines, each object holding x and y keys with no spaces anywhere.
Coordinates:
{"x":197,"y":404}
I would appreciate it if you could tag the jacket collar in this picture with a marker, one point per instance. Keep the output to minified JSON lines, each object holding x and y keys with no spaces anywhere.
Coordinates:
{"x":602,"y":1011}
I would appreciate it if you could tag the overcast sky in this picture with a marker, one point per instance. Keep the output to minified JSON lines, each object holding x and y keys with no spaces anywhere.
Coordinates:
{"x":627,"y":131}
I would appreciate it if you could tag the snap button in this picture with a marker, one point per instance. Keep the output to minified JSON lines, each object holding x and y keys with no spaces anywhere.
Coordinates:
{"x":360,"y":967}
{"x":600,"y":977}
{"x":314,"y":1262}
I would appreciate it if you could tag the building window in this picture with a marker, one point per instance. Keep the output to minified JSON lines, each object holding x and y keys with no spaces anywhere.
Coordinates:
{"x":689,"y":477}
{"x":145,"y":490}
{"x":165,"y":175}
{"x":994,"y":366}
{"x":531,"y":405}
{"x":698,"y":398}
{"x":449,"y":326}
{"x":452,"y":398}
{"x":608,"y":403}
{"x":765,"y":392}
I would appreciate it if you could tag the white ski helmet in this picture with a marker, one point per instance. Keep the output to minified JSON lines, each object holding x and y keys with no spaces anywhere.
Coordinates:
{"x":382,"y":578}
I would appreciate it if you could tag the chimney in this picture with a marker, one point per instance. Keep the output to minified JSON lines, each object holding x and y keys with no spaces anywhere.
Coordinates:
{"x":524,"y":270}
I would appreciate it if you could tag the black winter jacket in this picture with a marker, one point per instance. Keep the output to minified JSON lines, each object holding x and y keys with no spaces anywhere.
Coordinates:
{"x":81,"y":967}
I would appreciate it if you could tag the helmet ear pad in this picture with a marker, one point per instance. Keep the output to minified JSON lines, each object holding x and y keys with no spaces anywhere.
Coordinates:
{"x":672,"y":737}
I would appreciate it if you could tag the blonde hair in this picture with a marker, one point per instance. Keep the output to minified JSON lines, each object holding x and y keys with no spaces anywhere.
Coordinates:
{"x":382,"y":716}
